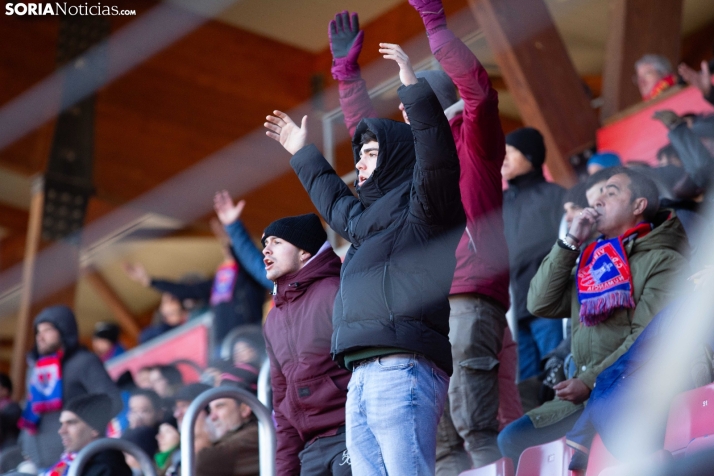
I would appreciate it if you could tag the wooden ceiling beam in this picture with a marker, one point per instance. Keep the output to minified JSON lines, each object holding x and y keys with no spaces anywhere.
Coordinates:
{"x":124,"y":317}
{"x":539,"y":73}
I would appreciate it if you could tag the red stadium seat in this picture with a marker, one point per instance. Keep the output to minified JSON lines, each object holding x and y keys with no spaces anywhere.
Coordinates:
{"x":699,"y":444}
{"x":599,"y":459}
{"x":550,"y":459}
{"x":502,"y":467}
{"x":691,"y":415}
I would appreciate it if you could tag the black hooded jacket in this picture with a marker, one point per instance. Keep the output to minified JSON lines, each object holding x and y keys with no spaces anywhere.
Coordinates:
{"x":532,"y":210}
{"x":82,"y":373}
{"x":404,"y":229}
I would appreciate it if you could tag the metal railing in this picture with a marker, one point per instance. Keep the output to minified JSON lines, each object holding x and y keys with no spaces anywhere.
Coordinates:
{"x":103,"y":444}
{"x":265,"y":392}
{"x":266,"y":430}
{"x":226,"y":350}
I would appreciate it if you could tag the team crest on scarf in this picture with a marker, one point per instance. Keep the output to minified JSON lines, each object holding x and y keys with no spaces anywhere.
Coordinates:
{"x":224,"y":282}
{"x":604,"y":278}
{"x":45,"y":391}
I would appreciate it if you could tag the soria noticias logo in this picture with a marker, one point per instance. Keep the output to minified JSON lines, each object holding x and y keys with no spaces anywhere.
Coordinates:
{"x":62,"y":8}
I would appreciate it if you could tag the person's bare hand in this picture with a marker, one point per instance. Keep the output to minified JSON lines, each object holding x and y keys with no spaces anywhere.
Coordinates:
{"x":395,"y":53}
{"x":282,"y":129}
{"x":702,"y":80}
{"x":225,"y":210}
{"x":583,"y":225}
{"x":572,"y":390}
{"x":137,"y":273}
{"x":670,"y":119}
{"x":455,"y":109}
{"x":702,"y":277}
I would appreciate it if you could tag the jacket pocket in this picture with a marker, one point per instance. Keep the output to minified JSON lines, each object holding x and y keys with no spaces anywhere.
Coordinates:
{"x":318,"y":397}
{"x":482,"y":364}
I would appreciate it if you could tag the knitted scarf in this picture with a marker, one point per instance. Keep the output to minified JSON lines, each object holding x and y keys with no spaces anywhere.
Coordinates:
{"x":62,"y":466}
{"x":604,"y":278}
{"x":224,"y":282}
{"x":661,"y":86}
{"x":45,"y":391}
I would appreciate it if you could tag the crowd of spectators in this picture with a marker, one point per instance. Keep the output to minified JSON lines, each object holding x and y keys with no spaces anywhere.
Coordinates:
{"x":453,"y":223}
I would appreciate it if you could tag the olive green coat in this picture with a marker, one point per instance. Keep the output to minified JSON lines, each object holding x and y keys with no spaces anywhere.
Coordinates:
{"x":655,"y":260}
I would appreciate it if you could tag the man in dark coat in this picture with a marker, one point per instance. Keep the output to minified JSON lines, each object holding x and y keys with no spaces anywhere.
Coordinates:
{"x":83,"y":420}
{"x":309,"y":388}
{"x":532,"y":210}
{"x":391,"y":316}
{"x":482,"y":391}
{"x":80,"y":373}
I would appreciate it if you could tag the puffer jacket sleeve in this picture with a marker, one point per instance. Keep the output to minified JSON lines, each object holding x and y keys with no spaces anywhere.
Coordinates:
{"x":436,"y":197}
{"x":355,"y":103}
{"x":332,"y":198}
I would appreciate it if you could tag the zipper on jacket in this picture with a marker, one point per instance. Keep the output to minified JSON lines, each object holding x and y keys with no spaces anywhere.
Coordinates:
{"x":384,"y":292}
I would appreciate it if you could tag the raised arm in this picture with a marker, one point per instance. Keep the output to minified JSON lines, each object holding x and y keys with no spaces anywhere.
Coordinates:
{"x":346,"y":44}
{"x":696,"y":158}
{"x":137,"y":273}
{"x":702,"y":80}
{"x":332,"y":198}
{"x":550,"y":291}
{"x":247,"y":253}
{"x":481,"y":129}
{"x":437,"y":199}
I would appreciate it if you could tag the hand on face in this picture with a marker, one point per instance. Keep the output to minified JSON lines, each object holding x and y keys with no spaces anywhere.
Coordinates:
{"x":584,"y":224}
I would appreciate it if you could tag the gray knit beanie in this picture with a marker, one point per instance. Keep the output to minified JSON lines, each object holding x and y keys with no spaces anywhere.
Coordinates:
{"x":95,"y":409}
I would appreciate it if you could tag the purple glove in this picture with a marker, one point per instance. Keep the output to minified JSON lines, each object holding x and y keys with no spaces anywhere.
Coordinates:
{"x":432,"y":14}
{"x":346,"y":44}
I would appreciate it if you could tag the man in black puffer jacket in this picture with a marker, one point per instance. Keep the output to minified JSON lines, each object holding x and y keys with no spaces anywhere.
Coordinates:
{"x":391,"y":317}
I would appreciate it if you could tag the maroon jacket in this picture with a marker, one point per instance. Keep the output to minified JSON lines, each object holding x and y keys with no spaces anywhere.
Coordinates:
{"x":482,"y":255}
{"x":309,"y":389}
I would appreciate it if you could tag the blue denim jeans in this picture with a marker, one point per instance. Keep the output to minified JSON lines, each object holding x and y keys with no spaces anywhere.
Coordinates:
{"x":536,"y":337}
{"x":521,"y":434}
{"x":393,"y":407}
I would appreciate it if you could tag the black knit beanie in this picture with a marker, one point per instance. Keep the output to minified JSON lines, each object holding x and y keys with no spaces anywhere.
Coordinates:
{"x":530,"y":143}
{"x":108,"y":331}
{"x":302,"y":231}
{"x":442,"y":85}
{"x":95,"y":409}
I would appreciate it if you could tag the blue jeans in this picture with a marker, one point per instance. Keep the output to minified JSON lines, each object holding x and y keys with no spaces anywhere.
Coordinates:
{"x":393,"y":408}
{"x":521,"y":434}
{"x":536,"y":337}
